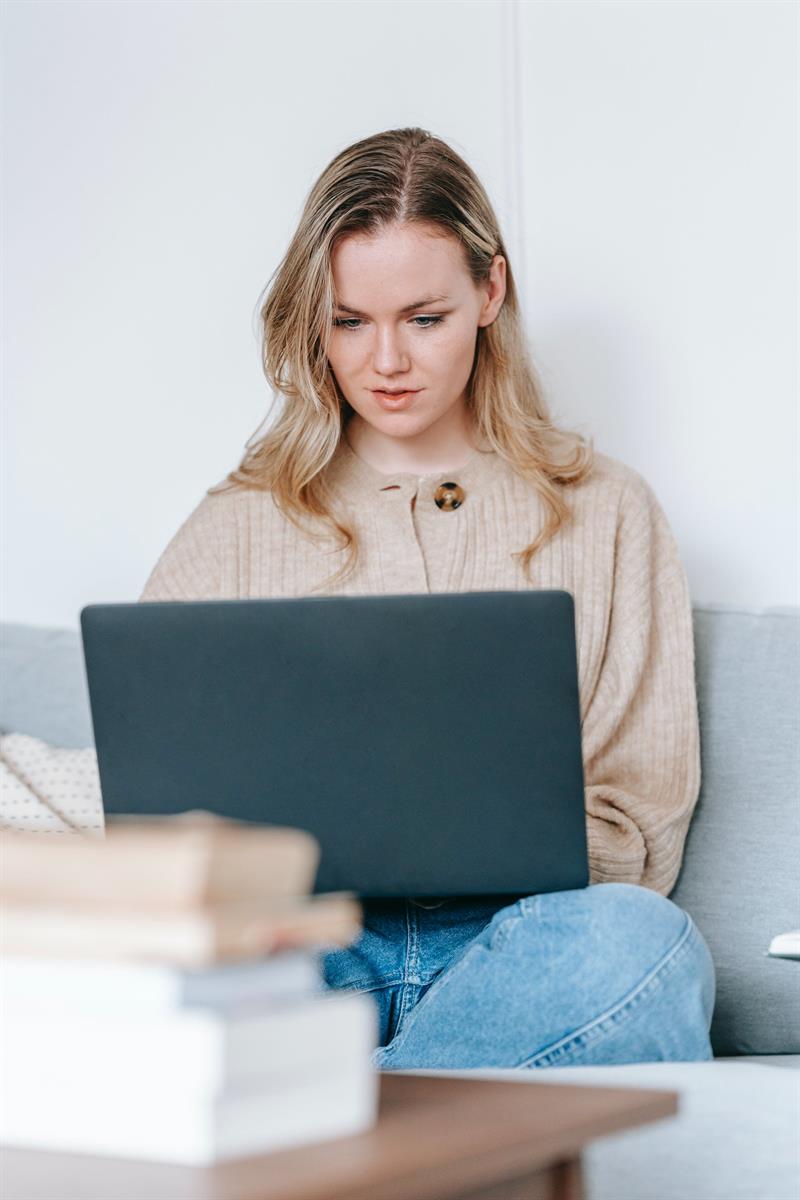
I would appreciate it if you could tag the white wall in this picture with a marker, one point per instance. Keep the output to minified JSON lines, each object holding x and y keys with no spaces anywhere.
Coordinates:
{"x":661,"y":202}
{"x":642,"y":159}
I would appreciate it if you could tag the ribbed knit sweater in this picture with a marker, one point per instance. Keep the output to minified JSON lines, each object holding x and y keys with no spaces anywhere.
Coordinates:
{"x":616,"y":555}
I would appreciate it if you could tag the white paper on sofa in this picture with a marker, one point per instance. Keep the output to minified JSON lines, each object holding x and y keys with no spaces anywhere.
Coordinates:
{"x":49,"y":789}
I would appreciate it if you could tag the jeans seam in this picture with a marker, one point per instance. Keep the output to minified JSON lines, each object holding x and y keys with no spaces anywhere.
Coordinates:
{"x":399,"y":1035}
{"x":623,"y":1008}
{"x":367,"y":985}
{"x":410,"y":968}
{"x":503,"y":931}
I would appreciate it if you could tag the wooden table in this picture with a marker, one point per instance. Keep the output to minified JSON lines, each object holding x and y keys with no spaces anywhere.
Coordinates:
{"x":436,"y":1138}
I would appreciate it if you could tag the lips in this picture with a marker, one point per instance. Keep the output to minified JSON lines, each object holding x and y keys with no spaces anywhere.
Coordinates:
{"x":398,"y":392}
{"x":395,"y":401}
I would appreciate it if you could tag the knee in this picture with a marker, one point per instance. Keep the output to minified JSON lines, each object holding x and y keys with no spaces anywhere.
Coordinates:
{"x":607,"y":937}
{"x":610,"y":902}
{"x":634,"y":925}
{"x":633,"y":937}
{"x":634,"y":909}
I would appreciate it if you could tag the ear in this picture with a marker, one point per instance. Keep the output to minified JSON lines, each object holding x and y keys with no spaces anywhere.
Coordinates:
{"x":495,"y":291}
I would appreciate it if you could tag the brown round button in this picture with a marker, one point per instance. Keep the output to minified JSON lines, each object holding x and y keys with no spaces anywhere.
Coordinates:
{"x":449,"y":496}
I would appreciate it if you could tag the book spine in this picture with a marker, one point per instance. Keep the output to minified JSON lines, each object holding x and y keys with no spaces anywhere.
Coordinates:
{"x":199,"y":1131}
{"x":192,"y":939}
{"x":195,"y":1052}
{"x":49,"y":987}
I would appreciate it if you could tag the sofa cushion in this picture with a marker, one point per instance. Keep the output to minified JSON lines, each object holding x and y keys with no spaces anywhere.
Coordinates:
{"x":734,"y":1136}
{"x":739,"y":878}
{"x":44,"y":690}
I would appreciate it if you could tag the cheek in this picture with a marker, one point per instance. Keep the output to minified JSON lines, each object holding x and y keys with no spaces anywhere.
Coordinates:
{"x":448,"y":354}
{"x":337,"y":354}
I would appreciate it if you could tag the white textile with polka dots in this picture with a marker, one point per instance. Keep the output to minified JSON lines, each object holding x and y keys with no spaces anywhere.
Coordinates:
{"x":49,"y":789}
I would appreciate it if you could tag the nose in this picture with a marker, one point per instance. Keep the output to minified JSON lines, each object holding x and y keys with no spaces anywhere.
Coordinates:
{"x":389,"y":356}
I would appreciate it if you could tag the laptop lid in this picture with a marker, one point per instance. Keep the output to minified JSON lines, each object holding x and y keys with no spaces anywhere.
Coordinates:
{"x":430,"y":742}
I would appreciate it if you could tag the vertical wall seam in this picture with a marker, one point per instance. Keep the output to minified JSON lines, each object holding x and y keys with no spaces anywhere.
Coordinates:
{"x":513,"y":145}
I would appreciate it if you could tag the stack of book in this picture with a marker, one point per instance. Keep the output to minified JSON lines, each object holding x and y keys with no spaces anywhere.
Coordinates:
{"x":161,"y":994}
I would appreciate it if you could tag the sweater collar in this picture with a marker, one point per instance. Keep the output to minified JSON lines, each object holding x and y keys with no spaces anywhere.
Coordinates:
{"x":353,"y":477}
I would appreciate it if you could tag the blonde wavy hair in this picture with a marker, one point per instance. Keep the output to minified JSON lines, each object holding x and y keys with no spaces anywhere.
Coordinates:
{"x":397,"y":177}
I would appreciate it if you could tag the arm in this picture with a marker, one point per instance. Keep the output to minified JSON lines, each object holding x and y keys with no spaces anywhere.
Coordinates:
{"x":641,"y":741}
{"x":190,"y":567}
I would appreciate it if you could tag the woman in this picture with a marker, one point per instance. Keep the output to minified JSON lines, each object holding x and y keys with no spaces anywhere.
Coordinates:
{"x":415,"y":453}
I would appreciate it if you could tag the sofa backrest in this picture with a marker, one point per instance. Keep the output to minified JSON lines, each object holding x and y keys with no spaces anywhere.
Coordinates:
{"x":43,"y":688}
{"x":739,"y":877}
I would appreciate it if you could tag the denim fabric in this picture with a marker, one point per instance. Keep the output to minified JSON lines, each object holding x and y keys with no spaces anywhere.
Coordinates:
{"x":611,"y":973}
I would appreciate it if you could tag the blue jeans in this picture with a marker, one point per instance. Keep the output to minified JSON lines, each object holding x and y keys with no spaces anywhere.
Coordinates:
{"x":610,"y":973}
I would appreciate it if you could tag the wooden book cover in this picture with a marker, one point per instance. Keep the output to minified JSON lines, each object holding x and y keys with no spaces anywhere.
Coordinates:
{"x":193,"y":860}
{"x":188,"y":937}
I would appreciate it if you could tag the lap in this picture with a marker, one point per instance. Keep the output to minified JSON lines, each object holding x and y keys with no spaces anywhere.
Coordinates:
{"x":503,"y":980}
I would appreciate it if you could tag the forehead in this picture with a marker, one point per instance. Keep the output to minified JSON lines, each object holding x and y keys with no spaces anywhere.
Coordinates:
{"x":390,"y":269}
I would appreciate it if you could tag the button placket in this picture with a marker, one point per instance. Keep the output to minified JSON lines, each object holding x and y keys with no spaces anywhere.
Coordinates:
{"x":404,"y":565}
{"x":440,"y":528}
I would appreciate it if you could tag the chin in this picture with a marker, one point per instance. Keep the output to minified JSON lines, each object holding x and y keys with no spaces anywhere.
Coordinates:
{"x":401,"y":424}
{"x":390,"y":422}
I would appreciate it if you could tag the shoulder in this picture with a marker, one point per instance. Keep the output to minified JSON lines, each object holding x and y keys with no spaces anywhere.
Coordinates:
{"x":223,"y":509}
{"x":236,"y":523}
{"x":620,"y":490}
{"x":620,"y":506}
{"x":646,"y":545}
{"x":613,"y":477}
{"x":195,"y":563}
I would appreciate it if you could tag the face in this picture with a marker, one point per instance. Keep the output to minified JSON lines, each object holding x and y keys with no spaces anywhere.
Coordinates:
{"x":407,"y":317}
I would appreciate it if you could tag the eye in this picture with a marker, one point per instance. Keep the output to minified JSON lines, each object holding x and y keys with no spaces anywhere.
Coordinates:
{"x":355,"y":322}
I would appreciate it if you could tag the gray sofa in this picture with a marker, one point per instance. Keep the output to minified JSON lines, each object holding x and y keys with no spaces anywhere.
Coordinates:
{"x":735,"y":1137}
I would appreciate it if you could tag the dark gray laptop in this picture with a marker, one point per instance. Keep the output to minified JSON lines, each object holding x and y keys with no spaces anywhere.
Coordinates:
{"x":431,"y":743}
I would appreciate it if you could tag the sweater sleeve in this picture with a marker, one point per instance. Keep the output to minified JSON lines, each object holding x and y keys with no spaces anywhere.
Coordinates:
{"x":190,"y":566}
{"x":641,"y":740}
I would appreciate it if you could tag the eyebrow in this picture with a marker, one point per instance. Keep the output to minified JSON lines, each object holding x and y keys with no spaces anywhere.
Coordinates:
{"x":423,"y":303}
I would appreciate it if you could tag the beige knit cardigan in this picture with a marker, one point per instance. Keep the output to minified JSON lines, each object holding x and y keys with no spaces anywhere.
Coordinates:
{"x":616,"y":555}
